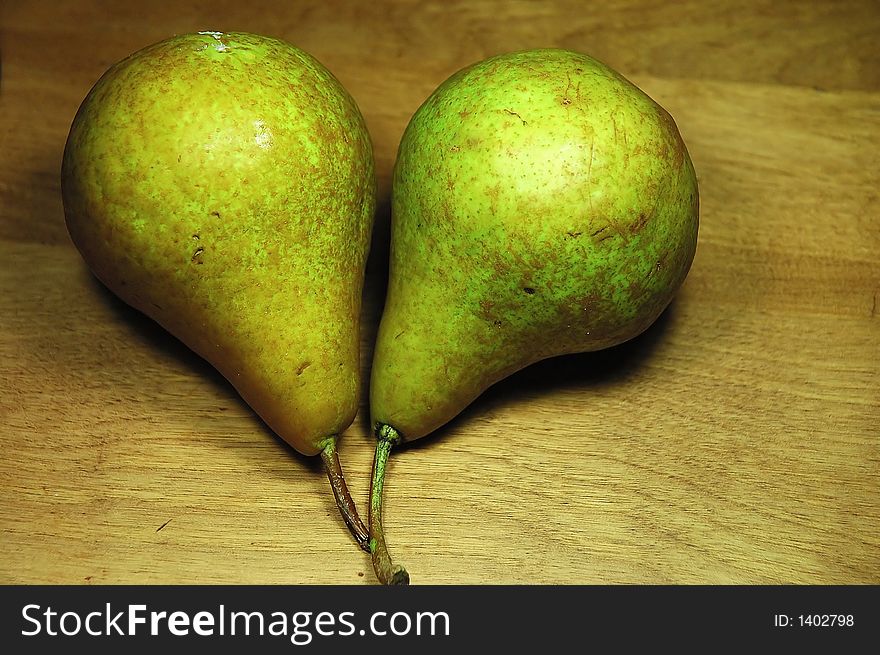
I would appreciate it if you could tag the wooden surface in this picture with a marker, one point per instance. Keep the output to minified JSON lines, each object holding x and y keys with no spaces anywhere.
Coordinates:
{"x":735,"y":442}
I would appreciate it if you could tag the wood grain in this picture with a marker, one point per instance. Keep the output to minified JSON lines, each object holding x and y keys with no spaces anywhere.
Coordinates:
{"x":736,"y":441}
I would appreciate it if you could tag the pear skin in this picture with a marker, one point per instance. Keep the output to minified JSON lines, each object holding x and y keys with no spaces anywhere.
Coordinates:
{"x":542,"y":205}
{"x":223,"y":184}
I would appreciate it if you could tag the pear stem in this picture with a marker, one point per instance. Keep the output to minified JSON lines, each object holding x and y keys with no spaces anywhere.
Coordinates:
{"x":330,"y":457}
{"x":386,"y":571}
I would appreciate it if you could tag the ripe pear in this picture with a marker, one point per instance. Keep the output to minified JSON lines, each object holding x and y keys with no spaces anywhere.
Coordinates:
{"x":542,"y":204}
{"x":223,"y":184}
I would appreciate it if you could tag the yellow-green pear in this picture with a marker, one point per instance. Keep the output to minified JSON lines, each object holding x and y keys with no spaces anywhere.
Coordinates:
{"x":542,"y":205}
{"x":222,"y":183}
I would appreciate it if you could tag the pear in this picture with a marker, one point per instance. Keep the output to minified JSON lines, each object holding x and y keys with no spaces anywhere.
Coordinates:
{"x":223,"y":184}
{"x":542,"y":205}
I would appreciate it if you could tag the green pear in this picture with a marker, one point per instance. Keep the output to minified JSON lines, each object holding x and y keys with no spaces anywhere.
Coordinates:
{"x":542,"y":205}
{"x":223,"y":184}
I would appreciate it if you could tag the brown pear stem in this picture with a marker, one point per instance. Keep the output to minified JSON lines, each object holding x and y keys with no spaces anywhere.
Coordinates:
{"x":344,"y":502}
{"x":386,"y":571}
